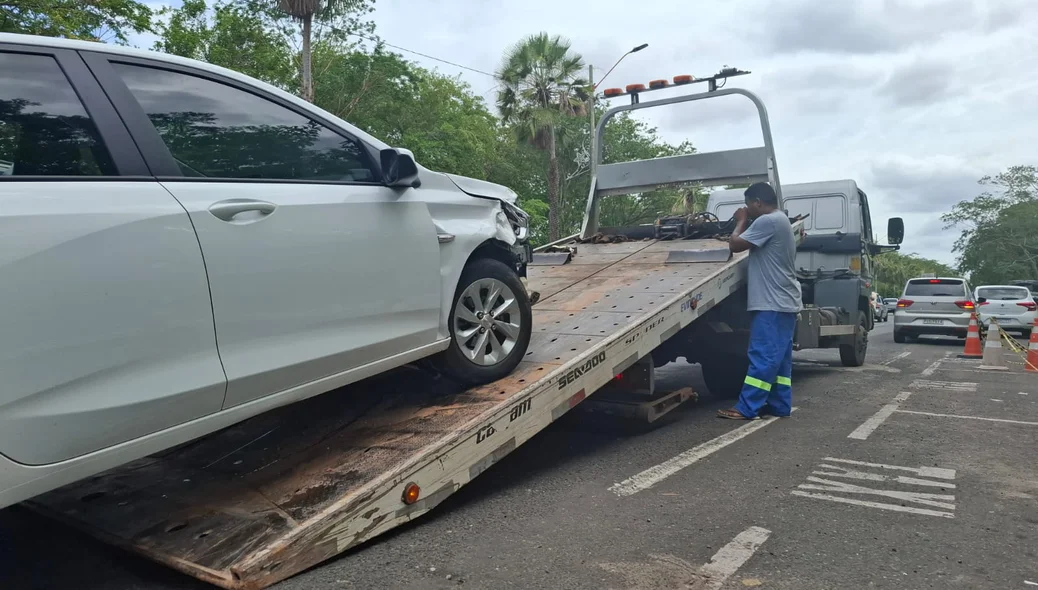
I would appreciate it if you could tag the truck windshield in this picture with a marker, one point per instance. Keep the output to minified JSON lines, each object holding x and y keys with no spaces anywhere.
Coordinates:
{"x":935,"y":288}
{"x":1003,"y":293}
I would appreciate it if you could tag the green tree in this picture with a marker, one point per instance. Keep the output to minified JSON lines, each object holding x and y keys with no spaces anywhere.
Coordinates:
{"x":341,"y":17}
{"x":541,"y":86}
{"x":999,"y":228}
{"x":228,"y":34}
{"x":94,"y":20}
{"x":893,"y":269}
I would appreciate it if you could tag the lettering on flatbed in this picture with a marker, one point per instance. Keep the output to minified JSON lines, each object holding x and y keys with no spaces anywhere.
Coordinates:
{"x":574,"y":373}
{"x":648,"y":328}
{"x":484,"y":433}
{"x":520,"y":409}
{"x":691,"y":303}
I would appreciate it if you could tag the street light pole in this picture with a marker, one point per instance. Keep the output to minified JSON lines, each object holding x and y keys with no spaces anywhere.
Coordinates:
{"x":591,"y":100}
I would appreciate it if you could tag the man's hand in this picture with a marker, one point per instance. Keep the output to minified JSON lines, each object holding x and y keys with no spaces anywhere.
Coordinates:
{"x":735,"y":243}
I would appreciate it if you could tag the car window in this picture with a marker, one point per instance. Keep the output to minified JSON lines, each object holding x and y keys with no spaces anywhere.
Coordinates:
{"x":215,"y":130}
{"x":44,"y":128}
{"x":935,"y":288}
{"x":1003,"y":293}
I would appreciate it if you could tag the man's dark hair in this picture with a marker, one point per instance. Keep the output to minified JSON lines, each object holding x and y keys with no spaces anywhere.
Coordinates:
{"x":761,"y":191}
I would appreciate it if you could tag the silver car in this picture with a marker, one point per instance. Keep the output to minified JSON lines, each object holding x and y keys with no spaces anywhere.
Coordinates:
{"x":183,"y":247}
{"x":934,"y":306}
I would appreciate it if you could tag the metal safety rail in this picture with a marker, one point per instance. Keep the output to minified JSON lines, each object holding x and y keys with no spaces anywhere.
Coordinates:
{"x":755,"y":164}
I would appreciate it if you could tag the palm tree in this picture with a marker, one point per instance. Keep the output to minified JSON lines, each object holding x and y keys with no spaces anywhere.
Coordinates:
{"x":541,"y":84}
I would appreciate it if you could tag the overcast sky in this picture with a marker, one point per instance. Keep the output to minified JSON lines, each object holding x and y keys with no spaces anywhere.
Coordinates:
{"x":914,"y":99}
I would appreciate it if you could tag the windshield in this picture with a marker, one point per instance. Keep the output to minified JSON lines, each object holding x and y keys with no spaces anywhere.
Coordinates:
{"x":935,"y":288}
{"x":1003,"y":293}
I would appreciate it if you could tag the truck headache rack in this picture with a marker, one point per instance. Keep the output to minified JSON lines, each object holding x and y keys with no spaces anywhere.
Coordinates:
{"x":755,"y":164}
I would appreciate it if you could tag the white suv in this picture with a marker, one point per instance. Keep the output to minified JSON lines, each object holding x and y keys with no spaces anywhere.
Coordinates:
{"x":1012,"y":306}
{"x":183,"y":247}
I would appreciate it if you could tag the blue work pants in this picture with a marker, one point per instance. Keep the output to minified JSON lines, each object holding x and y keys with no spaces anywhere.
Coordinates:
{"x":768,"y":384}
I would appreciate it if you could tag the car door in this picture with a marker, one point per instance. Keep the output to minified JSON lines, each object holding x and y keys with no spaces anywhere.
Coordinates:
{"x":106,"y":329}
{"x":315,"y":268}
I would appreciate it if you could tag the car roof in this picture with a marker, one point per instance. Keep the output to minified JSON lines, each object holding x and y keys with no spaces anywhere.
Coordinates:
{"x":937,"y":278}
{"x":1003,"y":287}
{"x":99,"y":47}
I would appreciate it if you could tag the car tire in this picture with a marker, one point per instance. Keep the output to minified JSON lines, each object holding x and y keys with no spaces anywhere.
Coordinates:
{"x":853,"y":355}
{"x":502,"y":348}
{"x":899,"y":337}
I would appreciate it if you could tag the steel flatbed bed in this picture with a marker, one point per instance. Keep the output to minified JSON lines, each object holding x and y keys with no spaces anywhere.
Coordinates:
{"x":263,"y":500}
{"x":268,"y":498}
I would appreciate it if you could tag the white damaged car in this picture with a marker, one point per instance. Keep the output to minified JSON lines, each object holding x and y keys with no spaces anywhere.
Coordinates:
{"x":183,"y":247}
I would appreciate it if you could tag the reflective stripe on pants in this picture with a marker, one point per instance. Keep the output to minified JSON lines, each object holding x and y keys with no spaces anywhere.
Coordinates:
{"x":768,"y":383}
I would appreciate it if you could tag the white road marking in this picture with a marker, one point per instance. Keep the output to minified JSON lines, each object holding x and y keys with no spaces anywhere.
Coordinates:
{"x":862,"y":432}
{"x":995,"y":400}
{"x":897,"y":357}
{"x":1030,"y":583}
{"x":938,"y":472}
{"x":817,"y":484}
{"x":654,"y":475}
{"x":881,"y":505}
{"x":853,"y":474}
{"x":967,"y":417}
{"x":924,"y":498}
{"x":730,"y":558}
{"x":944,"y":385}
{"x":932,"y":368}
{"x":1022,"y":393}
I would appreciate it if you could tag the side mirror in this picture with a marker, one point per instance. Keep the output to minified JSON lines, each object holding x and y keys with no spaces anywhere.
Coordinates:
{"x":895,"y":230}
{"x":398,"y":168}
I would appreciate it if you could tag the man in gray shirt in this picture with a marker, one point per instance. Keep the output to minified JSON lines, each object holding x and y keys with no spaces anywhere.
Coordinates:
{"x":774,"y":301}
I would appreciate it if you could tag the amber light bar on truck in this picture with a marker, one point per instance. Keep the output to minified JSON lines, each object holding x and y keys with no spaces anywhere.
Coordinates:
{"x":634,"y":90}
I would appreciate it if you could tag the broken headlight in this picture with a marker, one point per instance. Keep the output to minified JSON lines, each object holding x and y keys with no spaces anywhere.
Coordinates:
{"x":518,"y":219}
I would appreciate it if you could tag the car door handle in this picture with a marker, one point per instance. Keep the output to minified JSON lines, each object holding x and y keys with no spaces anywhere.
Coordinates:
{"x":227,"y":210}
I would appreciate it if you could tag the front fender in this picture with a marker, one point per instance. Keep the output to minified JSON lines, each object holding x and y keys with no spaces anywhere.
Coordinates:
{"x":464,"y":231}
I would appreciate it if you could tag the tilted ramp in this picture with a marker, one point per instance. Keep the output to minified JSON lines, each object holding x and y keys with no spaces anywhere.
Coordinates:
{"x":263,"y":500}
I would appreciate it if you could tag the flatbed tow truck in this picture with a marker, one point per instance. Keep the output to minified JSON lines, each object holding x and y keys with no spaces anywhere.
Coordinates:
{"x":268,"y":498}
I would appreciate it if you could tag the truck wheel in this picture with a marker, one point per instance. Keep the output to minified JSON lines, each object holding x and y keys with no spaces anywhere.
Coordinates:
{"x":490,"y":324}
{"x":724,"y":376}
{"x":853,"y":355}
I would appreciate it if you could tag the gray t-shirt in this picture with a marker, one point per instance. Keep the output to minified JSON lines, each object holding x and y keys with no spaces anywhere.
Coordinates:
{"x":773,"y":284}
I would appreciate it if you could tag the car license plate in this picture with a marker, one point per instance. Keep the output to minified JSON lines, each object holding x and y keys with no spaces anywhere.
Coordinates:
{"x":1005,"y":319}
{"x":933,"y":322}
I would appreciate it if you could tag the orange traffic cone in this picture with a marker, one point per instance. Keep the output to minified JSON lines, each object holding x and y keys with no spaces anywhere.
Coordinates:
{"x":973,"y":347}
{"x":1032,"y":350}
{"x":993,"y":349}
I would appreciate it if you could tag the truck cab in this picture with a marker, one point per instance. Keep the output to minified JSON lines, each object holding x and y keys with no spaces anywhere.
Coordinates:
{"x":834,"y":262}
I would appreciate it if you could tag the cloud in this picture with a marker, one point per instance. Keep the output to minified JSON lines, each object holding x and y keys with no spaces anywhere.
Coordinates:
{"x":924,"y":184}
{"x":919,"y":83}
{"x":848,"y":27}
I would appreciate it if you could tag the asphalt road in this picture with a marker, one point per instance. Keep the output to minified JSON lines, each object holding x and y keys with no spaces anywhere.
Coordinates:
{"x":916,"y":471}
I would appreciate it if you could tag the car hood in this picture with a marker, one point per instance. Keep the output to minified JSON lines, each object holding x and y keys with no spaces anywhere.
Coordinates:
{"x":483,"y":189}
